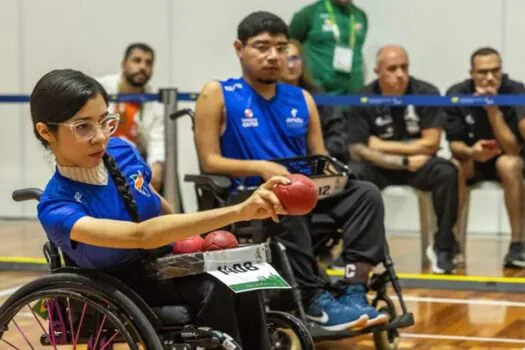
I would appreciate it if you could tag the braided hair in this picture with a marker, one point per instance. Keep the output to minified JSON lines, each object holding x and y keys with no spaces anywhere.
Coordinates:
{"x":122,"y":186}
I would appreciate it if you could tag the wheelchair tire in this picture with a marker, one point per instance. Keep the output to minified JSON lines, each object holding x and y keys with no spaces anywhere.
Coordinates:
{"x":118,"y":304}
{"x":389,"y":339}
{"x":287,"y":332}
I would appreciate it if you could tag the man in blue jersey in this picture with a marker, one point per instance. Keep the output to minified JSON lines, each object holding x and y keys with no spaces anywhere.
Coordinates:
{"x":243,"y":124}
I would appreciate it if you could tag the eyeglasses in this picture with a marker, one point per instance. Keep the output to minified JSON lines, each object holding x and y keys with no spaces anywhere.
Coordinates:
{"x":86,"y":130}
{"x":265,"y":49}
{"x":484,"y":72}
{"x":295,"y":59}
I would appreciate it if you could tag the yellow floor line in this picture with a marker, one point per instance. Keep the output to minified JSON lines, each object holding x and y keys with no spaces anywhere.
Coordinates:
{"x":22,"y":260}
{"x":454,"y":278}
{"x":335,"y":273}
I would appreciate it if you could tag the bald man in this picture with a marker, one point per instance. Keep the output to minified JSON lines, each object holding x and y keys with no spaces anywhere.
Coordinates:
{"x":398,"y":145}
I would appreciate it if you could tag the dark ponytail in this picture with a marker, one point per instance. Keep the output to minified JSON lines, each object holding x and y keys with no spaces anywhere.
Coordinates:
{"x":122,"y":186}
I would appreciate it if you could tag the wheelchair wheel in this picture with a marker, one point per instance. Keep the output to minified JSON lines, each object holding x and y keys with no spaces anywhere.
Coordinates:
{"x":66,"y":310}
{"x":389,"y":339}
{"x":287,"y":332}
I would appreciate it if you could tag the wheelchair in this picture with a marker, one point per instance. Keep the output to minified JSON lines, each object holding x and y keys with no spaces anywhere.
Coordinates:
{"x":330,"y":176}
{"x":92,"y":310}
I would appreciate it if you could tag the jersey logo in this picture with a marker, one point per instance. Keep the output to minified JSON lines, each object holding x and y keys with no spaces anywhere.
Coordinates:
{"x":383,"y":120}
{"x":233,"y":87}
{"x":249,"y":121}
{"x":78,"y":197}
{"x":294,"y":121}
{"x":138,"y":183}
{"x":412,"y":120}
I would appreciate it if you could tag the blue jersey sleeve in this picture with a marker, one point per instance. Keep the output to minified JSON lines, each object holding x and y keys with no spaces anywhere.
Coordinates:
{"x":57,"y":217}
{"x":126,"y":152}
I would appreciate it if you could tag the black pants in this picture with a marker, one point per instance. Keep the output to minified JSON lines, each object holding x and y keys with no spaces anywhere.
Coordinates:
{"x":359,"y":211}
{"x":212,"y":304}
{"x":438,"y":176}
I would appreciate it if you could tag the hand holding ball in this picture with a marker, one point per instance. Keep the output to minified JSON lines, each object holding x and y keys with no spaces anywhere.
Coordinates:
{"x":299,"y":197}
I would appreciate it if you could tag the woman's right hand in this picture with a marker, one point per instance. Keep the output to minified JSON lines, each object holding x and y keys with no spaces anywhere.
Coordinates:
{"x":263,"y":203}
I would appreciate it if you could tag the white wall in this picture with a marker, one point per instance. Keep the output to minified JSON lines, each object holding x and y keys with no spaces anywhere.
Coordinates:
{"x":193,"y":41}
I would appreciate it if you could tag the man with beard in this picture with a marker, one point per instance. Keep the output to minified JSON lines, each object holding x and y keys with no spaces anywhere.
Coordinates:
{"x":244,"y":124}
{"x":486,"y":142}
{"x":140,"y":123}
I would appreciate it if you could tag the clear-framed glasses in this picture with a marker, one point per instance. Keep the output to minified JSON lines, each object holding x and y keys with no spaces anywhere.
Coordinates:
{"x":87,"y":129}
{"x":295,"y":60}
{"x":265,"y":48}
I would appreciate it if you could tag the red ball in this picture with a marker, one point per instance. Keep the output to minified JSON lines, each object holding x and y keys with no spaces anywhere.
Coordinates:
{"x":219,"y":240}
{"x":189,"y":245}
{"x":299,"y":197}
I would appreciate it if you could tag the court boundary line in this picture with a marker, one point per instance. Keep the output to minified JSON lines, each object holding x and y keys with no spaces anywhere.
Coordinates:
{"x":487,"y":302}
{"x":461,"y":338}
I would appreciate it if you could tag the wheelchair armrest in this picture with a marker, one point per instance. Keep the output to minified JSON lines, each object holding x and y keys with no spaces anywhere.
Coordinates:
{"x":26,"y":194}
{"x":218,"y":183}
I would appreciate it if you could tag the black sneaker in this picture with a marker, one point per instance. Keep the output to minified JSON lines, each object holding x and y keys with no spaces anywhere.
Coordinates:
{"x":442,"y":261}
{"x":459,"y":258}
{"x":515,"y":258}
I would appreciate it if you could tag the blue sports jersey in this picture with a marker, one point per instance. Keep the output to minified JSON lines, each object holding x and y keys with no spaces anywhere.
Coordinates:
{"x":64,"y":201}
{"x":261,"y":129}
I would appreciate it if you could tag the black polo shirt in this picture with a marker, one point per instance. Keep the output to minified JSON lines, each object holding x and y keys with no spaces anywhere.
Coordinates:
{"x":395,"y":123}
{"x":470,"y":124}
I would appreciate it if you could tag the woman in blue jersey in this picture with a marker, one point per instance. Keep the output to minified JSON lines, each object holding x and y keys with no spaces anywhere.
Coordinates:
{"x":101,"y":211}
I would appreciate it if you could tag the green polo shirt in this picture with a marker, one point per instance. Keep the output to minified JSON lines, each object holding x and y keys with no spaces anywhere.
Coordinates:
{"x":312,"y":27}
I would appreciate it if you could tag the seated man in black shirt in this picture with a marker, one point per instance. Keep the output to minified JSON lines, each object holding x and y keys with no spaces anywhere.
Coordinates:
{"x":398,"y":146}
{"x":485,"y":141}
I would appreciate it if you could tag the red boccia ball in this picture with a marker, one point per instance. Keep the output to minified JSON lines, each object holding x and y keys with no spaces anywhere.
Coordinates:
{"x":299,"y":197}
{"x":219,"y":240}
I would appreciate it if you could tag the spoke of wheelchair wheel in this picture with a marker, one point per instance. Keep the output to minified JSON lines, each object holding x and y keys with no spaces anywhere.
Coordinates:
{"x":80,"y":323}
{"x":23,"y":335}
{"x":38,"y":321}
{"x":52,"y":339}
{"x":110,"y":339}
{"x":100,"y":331}
{"x":11,"y":345}
{"x":71,"y":323}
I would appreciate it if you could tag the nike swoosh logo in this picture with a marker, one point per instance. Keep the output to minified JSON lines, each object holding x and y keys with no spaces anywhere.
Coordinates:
{"x":323,"y":319}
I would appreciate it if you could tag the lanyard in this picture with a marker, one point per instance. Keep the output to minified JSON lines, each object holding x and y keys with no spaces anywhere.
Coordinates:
{"x":337,"y":33}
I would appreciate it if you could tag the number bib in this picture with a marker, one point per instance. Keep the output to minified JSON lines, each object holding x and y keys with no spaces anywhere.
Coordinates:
{"x":328,"y":186}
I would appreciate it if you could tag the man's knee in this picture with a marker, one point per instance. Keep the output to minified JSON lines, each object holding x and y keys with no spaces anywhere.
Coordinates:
{"x":509,"y":167}
{"x":446,"y":171}
{"x":369,"y":193}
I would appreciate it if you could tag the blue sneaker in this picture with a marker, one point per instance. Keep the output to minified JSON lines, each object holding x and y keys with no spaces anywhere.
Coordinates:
{"x":355,"y":297}
{"x":334,"y":316}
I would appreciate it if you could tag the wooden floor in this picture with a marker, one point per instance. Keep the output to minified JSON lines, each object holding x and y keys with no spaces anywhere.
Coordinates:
{"x":444,"y":319}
